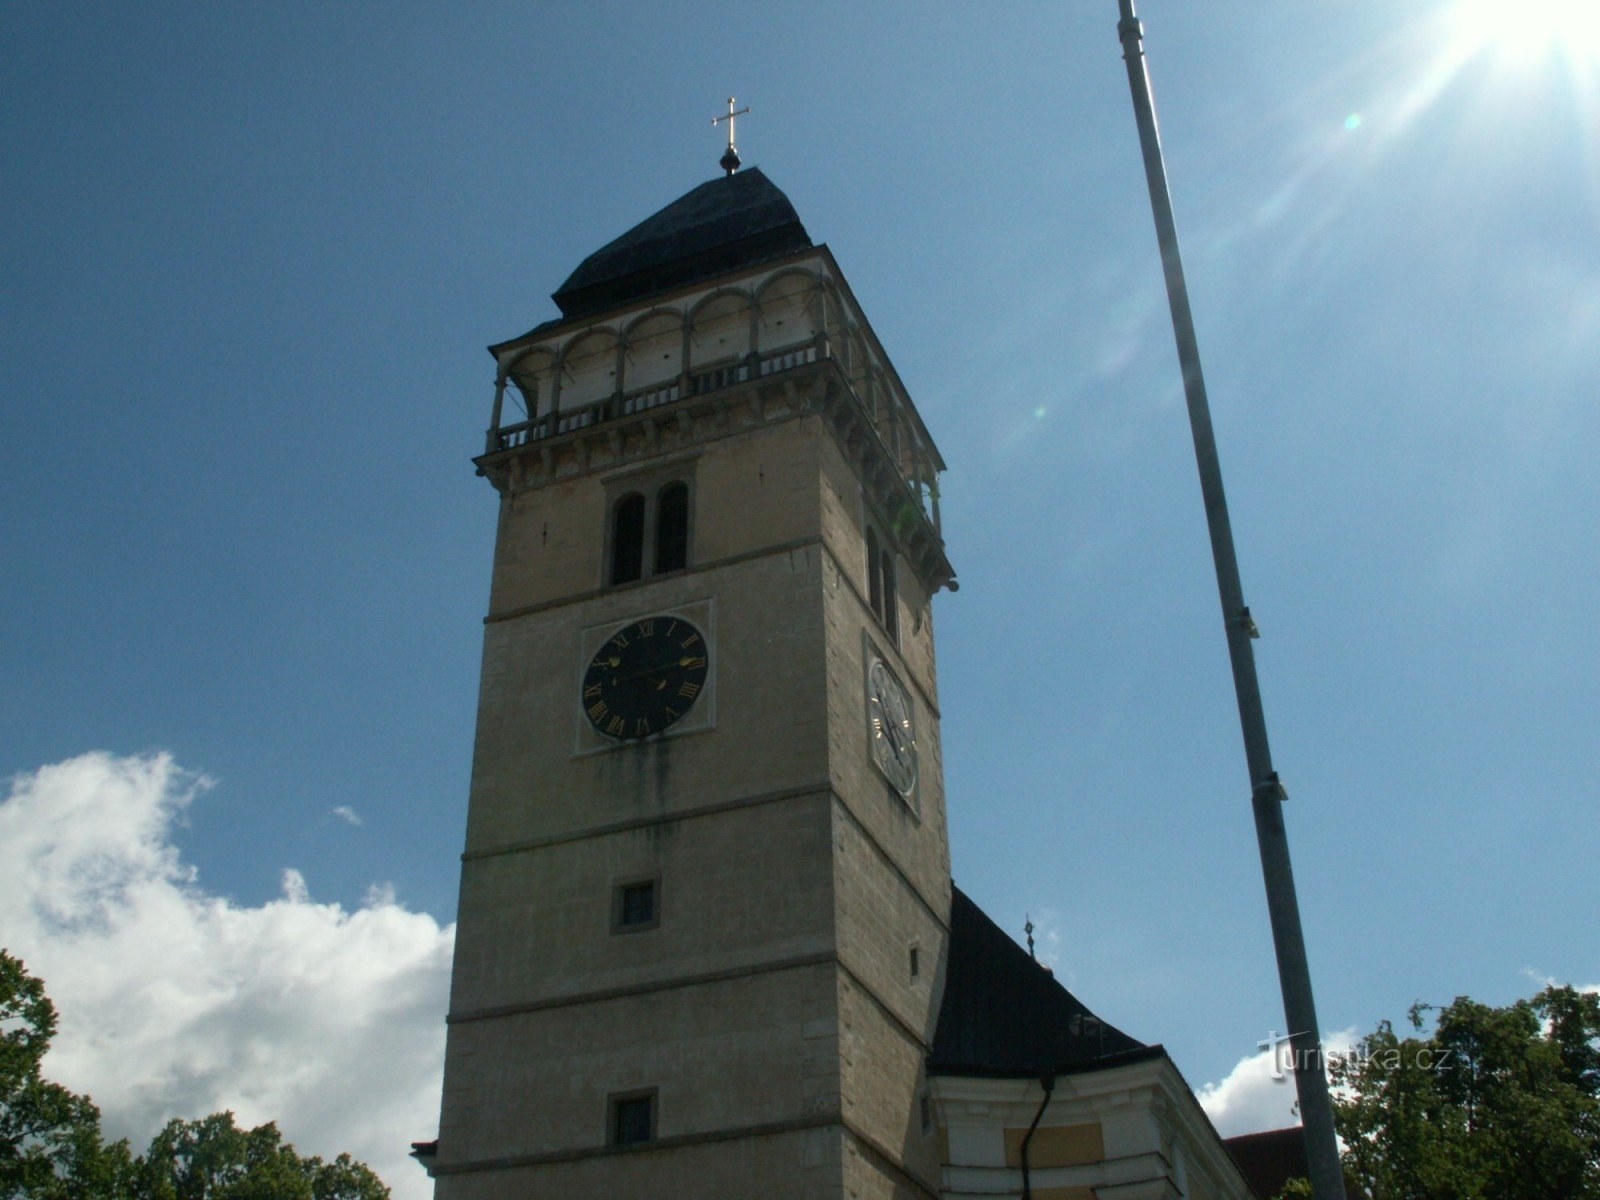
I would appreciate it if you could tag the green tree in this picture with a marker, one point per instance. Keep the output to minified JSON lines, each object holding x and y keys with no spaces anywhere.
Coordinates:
{"x":213,"y":1159}
{"x":1494,"y":1103}
{"x":51,"y":1146}
{"x":50,"y":1142}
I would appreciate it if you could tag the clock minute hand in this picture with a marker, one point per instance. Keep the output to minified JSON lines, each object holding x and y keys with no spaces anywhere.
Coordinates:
{"x":656,"y":671}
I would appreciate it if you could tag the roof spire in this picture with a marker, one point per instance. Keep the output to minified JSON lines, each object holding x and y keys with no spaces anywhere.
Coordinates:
{"x":1028,"y":929}
{"x":730,"y":157}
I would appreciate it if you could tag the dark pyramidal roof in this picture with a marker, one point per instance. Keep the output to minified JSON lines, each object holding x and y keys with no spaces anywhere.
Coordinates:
{"x":735,"y":221}
{"x":1004,"y":1014}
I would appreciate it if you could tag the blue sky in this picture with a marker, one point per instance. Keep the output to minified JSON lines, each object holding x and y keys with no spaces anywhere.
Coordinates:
{"x":253,"y":255}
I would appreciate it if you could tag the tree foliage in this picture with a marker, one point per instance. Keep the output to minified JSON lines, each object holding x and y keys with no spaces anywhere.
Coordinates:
{"x":213,"y":1159}
{"x":51,"y":1146}
{"x":50,"y":1143}
{"x":1494,"y":1103}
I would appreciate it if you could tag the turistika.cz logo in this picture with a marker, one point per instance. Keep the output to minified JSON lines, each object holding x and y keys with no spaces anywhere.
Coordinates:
{"x":1287,"y":1058}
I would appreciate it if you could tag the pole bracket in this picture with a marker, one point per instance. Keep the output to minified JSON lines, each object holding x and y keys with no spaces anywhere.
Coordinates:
{"x":1270,"y":788}
{"x":1247,"y":623}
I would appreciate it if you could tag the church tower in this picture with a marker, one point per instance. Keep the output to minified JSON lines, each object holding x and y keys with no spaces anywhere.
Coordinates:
{"x":705,"y":898}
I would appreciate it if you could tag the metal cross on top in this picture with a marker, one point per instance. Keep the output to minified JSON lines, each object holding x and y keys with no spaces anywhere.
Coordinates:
{"x":730,"y":157}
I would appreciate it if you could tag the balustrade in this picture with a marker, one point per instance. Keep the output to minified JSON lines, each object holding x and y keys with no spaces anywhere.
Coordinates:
{"x":725,"y":375}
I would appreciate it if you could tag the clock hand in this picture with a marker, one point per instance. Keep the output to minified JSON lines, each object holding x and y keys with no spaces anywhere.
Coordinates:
{"x":669,"y":665}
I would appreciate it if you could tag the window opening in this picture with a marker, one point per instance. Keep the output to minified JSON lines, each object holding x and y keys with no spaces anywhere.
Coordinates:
{"x":627,"y":539}
{"x":672,"y":528}
{"x":633,"y":1119}
{"x":635,"y":906}
{"x":891,"y":610}
{"x":874,"y":576}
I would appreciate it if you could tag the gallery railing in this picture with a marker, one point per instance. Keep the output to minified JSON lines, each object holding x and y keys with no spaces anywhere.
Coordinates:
{"x":695,"y":383}
{"x":712,"y":379}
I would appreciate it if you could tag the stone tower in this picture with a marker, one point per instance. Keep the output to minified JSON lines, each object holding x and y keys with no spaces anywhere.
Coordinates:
{"x":706,"y":893}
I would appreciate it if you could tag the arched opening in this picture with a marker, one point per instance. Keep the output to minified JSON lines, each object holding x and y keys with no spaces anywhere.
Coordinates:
{"x":891,"y":609}
{"x":857,"y":365}
{"x":588,"y":369}
{"x":788,"y":307}
{"x":654,"y":353}
{"x":672,"y":528}
{"x":627,"y":539}
{"x":874,"y":575}
{"x":720,"y":331}
{"x":533,"y":375}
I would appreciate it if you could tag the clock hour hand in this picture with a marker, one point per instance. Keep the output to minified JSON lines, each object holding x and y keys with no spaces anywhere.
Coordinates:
{"x":656,"y":671}
{"x":891,"y":735}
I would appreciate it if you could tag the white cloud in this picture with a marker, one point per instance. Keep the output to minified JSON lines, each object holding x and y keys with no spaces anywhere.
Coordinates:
{"x":1541,"y":980}
{"x":177,"y":1002}
{"x":345,"y":813}
{"x":1258,"y":1094}
{"x":1253,"y":1097}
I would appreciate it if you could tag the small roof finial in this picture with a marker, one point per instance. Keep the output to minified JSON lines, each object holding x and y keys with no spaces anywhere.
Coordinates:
{"x":1028,"y":929}
{"x":730,"y":157}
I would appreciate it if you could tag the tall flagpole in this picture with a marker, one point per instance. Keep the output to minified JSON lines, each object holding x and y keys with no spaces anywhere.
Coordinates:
{"x":1267,"y":793}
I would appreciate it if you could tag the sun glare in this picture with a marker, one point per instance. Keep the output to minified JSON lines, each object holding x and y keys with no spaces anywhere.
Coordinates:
{"x":1517,"y":30}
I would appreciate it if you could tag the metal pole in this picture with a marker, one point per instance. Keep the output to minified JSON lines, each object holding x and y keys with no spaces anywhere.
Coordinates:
{"x":1267,"y":794}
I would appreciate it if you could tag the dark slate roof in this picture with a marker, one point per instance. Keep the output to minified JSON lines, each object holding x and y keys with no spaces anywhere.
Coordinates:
{"x":1004,"y":1014}
{"x":1269,"y":1160}
{"x":735,"y":221}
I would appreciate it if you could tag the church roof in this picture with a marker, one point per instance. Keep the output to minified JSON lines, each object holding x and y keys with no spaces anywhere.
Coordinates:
{"x":1004,"y":1014}
{"x":1269,"y":1160}
{"x":728,"y":223}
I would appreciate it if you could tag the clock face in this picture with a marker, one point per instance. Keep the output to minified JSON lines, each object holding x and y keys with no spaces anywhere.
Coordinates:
{"x":645,"y":677}
{"x":894,"y":738}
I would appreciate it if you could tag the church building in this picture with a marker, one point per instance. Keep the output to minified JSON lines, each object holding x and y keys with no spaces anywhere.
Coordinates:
{"x":708,"y":943}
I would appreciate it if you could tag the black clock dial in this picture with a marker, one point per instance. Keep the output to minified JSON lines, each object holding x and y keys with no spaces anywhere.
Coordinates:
{"x":645,"y":677}
{"x":894,"y":738}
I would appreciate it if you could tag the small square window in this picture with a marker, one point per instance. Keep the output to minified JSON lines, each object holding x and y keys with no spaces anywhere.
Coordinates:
{"x":633,"y":1118}
{"x":636,"y":906}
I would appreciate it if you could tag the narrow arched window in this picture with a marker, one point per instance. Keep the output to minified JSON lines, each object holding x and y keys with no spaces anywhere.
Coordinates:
{"x":672,"y":528}
{"x":891,"y":610}
{"x":627,"y":539}
{"x":874,"y":575}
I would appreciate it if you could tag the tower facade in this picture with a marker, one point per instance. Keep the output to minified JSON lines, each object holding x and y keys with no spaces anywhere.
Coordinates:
{"x":706,"y":892}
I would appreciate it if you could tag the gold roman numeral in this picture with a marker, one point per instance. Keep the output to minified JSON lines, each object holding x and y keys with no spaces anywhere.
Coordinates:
{"x":691,"y":640}
{"x":641,"y":727}
{"x":591,"y":692}
{"x":615,"y":726}
{"x":645,"y":628}
{"x":597,"y":711}
{"x":689,"y":690}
